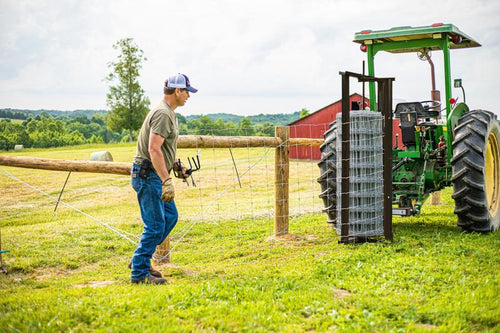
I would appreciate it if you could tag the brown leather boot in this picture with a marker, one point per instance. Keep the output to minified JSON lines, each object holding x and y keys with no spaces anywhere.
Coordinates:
{"x":150,"y":280}
{"x":152,"y":271}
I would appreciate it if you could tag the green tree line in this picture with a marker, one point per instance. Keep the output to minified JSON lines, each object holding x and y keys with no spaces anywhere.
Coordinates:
{"x":276,"y":118}
{"x":44,"y":131}
{"x":11,"y":114}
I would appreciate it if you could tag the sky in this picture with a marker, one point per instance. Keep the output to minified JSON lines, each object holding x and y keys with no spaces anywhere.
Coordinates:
{"x":245,"y":57}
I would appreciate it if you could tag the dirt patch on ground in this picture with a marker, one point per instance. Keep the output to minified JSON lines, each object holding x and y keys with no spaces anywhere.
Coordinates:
{"x":426,"y":327}
{"x":48,"y":273}
{"x":285,"y":238}
{"x":341,"y":293}
{"x":94,"y":284}
{"x":321,"y":254}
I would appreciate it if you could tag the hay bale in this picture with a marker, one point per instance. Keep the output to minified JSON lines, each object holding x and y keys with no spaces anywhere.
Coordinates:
{"x":101,"y":156}
{"x":18,"y":147}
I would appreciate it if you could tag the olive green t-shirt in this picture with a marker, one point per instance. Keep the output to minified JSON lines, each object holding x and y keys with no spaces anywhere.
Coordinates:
{"x":160,"y":120}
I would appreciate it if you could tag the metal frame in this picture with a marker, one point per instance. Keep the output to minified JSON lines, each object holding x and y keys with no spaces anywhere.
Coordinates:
{"x":385,"y":107}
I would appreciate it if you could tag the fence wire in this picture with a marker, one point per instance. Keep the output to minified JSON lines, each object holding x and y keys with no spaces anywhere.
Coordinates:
{"x":228,"y":202}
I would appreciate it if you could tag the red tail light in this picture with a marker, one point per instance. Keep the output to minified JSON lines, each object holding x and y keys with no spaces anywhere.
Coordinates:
{"x":456,"y":39}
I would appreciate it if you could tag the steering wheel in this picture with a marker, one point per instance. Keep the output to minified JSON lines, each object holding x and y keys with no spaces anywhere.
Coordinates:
{"x":430,"y":104}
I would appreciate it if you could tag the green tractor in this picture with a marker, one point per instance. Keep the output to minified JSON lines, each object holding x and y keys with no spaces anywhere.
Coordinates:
{"x":459,"y":148}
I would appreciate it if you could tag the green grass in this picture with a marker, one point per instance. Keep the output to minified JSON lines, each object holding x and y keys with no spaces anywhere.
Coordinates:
{"x":68,"y":273}
{"x":15,"y":121}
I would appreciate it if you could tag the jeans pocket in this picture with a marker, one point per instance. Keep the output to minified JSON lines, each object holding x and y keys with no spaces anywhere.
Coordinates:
{"x":136,"y":183}
{"x":135,"y":179}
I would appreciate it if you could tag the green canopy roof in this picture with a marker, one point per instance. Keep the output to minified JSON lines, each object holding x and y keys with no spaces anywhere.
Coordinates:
{"x":407,"y":34}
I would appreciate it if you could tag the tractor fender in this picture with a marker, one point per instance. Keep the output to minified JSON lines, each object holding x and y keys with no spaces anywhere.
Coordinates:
{"x":455,"y":114}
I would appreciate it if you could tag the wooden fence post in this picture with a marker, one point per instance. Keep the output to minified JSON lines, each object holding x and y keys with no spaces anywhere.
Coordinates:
{"x":281,"y":185}
{"x":162,"y":254}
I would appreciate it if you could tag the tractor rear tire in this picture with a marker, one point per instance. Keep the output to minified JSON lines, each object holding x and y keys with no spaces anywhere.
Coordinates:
{"x":476,"y":171}
{"x":328,"y":173}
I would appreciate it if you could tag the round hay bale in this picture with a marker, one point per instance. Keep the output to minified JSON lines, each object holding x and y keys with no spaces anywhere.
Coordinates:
{"x":101,"y":156}
{"x":18,"y":147}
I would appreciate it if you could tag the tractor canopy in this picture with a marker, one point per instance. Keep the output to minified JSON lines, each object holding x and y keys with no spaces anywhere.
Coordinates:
{"x":399,"y":40}
{"x":413,"y":39}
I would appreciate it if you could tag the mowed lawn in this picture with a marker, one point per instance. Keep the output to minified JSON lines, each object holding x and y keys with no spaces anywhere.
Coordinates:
{"x":68,"y":269}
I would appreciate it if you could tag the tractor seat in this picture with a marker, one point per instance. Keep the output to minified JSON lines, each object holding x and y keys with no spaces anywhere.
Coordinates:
{"x":408,"y":123}
{"x":414,"y":107}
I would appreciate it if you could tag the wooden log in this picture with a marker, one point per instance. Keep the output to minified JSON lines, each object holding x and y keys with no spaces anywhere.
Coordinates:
{"x":162,"y":254}
{"x":207,"y":141}
{"x":306,"y":142}
{"x":281,"y":185}
{"x":436,"y":198}
{"x":66,"y":165}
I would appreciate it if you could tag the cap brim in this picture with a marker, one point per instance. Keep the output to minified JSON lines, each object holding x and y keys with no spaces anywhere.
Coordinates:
{"x":191,"y":89}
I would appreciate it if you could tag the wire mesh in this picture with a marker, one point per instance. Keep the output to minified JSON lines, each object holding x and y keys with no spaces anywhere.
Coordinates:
{"x":365,"y":174}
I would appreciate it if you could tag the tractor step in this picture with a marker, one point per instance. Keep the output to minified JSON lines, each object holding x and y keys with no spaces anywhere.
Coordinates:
{"x":402,"y":211}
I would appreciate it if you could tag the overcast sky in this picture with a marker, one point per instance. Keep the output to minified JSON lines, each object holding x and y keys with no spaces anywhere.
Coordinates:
{"x":245,"y":57}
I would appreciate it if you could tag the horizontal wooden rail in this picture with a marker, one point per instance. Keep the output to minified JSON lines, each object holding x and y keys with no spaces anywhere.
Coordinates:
{"x":118,"y":168}
{"x":208,"y":141}
{"x":305,"y":142}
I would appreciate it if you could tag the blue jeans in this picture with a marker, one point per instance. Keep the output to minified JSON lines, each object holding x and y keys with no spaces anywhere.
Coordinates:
{"x":159,"y":219}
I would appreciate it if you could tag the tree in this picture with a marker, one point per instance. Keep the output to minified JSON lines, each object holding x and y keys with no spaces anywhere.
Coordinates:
{"x":204,"y":125}
{"x":245,"y":127}
{"x":126,"y":100}
{"x":180,"y":118}
{"x":304,"y":112}
{"x":265,"y":129}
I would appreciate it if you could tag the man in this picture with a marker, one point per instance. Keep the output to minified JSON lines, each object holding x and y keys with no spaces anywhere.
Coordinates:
{"x":154,"y":160}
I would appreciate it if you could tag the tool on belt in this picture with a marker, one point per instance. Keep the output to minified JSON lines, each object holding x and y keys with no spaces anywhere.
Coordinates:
{"x":146,"y":165}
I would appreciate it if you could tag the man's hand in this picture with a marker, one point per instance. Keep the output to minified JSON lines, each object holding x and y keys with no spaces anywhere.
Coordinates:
{"x":167,"y":190}
{"x":180,"y":170}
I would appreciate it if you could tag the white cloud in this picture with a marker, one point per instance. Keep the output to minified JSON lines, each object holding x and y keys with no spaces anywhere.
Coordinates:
{"x":243,"y":56}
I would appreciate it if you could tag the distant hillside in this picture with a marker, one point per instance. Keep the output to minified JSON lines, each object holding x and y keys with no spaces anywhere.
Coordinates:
{"x":276,"y":119}
{"x":23,"y":114}
{"x":55,"y":128}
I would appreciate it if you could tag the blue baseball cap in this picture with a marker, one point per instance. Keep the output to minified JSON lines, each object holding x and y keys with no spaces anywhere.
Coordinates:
{"x":180,"y":81}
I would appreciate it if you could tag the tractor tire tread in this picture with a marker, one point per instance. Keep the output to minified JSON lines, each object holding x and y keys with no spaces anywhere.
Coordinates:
{"x":328,"y":173}
{"x":468,"y":177}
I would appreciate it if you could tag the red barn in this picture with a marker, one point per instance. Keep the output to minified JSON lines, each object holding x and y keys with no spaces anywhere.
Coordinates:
{"x":315,"y":125}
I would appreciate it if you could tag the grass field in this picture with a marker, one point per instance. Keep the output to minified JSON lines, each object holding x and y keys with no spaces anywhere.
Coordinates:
{"x":16,"y":121}
{"x":67,"y":272}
